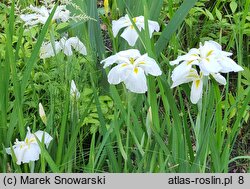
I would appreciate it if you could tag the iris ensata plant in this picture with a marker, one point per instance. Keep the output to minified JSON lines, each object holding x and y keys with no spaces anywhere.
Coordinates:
{"x":29,"y":150}
{"x":209,"y":60}
{"x":131,"y":68}
{"x":130,"y":34}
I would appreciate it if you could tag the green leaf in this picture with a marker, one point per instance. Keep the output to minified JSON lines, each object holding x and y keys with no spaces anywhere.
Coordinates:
{"x":209,"y":14}
{"x":173,"y":25}
{"x":32,"y":59}
{"x":47,"y":157}
{"x":218,"y":14}
{"x":233,"y":6}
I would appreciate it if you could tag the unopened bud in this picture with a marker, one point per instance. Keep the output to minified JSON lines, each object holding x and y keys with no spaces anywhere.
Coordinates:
{"x":106,"y":6}
{"x":74,"y":91}
{"x":42,"y":114}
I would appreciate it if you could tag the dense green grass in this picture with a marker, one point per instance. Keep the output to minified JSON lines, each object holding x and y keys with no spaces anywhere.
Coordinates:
{"x":110,"y":129}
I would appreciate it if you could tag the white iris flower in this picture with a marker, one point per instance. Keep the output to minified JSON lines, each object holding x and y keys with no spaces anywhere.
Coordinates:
{"x":65,"y":45}
{"x":48,"y":51}
{"x":41,"y":14}
{"x":29,"y":150}
{"x":130,"y":34}
{"x":73,"y":42}
{"x":131,"y":68}
{"x":210,"y":60}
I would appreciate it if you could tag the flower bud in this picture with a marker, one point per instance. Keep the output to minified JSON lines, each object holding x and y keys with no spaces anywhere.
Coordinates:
{"x":42,"y":114}
{"x":106,"y":7}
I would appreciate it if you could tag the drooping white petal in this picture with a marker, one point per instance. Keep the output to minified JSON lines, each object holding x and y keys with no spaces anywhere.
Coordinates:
{"x":181,"y":70}
{"x":149,"y":65}
{"x":121,"y":57}
{"x":183,"y":74}
{"x":210,"y":65}
{"x":48,"y":51}
{"x":66,"y":47}
{"x":78,"y":45}
{"x":136,"y":82}
{"x":196,"y":91}
{"x":139,"y":22}
{"x":228,"y":65}
{"x":130,"y":35}
{"x":153,"y":26}
{"x":61,"y":13}
{"x":192,"y":55}
{"x":213,"y":44}
{"x":109,"y":61}
{"x":67,"y":44}
{"x":30,"y":19}
{"x":47,"y":138}
{"x":43,"y":11}
{"x":31,"y":153}
{"x":219,"y":78}
{"x":119,"y":73}
{"x":119,"y":24}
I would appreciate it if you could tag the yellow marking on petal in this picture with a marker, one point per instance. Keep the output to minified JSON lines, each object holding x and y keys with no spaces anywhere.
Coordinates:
{"x":197,"y":83}
{"x":207,"y":59}
{"x":32,"y":140}
{"x":142,"y":63}
{"x":192,"y":75}
{"x":190,"y":62}
{"x":210,"y":52}
{"x":134,"y":20}
{"x":136,"y":70}
{"x":124,"y":65}
{"x":132,"y":60}
{"x":26,"y":141}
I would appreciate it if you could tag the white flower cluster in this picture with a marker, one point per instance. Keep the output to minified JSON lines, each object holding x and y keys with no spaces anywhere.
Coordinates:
{"x":29,"y":149}
{"x":62,"y":14}
{"x":209,"y":60}
{"x":41,"y":14}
